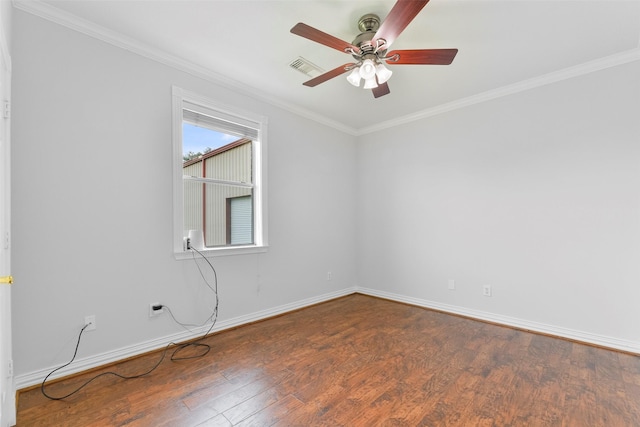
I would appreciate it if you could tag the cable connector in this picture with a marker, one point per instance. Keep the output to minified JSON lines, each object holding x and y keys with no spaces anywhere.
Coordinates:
{"x":155,"y":309}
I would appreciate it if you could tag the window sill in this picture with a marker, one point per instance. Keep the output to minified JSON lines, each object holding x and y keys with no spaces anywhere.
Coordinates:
{"x":226,"y":251}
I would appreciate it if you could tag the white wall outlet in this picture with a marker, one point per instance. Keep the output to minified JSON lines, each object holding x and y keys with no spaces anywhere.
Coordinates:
{"x":486,"y":290}
{"x":329,"y":275}
{"x":452,"y":284}
{"x":91,"y":321}
{"x":155,"y":312}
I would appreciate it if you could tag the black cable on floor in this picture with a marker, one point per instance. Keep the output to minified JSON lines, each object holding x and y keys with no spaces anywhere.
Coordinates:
{"x":125,"y":377}
{"x":180,"y":347}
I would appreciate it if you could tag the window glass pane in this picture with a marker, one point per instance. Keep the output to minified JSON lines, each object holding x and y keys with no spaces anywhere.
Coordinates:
{"x":230,"y":163}
{"x":197,"y":140}
{"x":207,"y":207}
{"x":193,"y":196}
{"x":211,"y":154}
{"x":214,"y":155}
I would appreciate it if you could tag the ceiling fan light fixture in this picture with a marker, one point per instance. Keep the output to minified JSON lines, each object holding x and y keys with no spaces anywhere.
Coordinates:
{"x":383,"y":73}
{"x":367,"y":69}
{"x":370,"y":83}
{"x":354,"y":77}
{"x":369,"y":48}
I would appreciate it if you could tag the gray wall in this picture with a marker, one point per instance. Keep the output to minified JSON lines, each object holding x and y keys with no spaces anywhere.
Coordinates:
{"x":536,"y":194}
{"x":92,"y":223}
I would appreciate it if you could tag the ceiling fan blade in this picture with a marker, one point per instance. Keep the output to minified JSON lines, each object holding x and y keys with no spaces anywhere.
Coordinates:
{"x":328,"y":75}
{"x":381,"y":90}
{"x":303,"y":30}
{"x":423,"y":56}
{"x":399,"y":17}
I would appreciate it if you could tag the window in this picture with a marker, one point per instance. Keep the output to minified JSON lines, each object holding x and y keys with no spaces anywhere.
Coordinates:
{"x":219,"y":176}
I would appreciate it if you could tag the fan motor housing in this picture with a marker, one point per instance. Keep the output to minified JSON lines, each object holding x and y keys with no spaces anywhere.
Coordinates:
{"x":368,"y":24}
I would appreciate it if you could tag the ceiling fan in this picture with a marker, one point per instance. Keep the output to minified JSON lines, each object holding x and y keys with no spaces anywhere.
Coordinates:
{"x":370,"y":48}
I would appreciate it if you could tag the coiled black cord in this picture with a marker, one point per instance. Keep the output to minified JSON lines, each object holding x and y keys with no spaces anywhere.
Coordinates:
{"x":174,"y":356}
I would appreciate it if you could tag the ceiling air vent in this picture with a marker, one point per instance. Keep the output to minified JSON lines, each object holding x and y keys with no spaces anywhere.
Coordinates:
{"x":306,"y":67}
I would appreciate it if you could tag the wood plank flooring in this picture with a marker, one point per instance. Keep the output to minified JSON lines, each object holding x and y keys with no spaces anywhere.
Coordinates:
{"x":360,"y":361}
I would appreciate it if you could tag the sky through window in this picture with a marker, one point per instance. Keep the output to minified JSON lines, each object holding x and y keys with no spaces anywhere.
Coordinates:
{"x":196,"y":139}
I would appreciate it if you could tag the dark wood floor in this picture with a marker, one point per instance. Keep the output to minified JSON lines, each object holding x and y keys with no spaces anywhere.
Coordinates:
{"x":361,"y":361}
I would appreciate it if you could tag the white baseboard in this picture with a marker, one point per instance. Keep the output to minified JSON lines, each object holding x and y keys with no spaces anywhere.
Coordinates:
{"x":580,"y":336}
{"x":79,"y":365}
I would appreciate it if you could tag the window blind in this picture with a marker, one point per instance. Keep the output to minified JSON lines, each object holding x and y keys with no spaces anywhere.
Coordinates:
{"x":220,"y":121}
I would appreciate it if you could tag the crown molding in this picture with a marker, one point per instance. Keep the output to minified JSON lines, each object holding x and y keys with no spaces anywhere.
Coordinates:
{"x":546,"y":79}
{"x":48,"y":12}
{"x":53,"y":14}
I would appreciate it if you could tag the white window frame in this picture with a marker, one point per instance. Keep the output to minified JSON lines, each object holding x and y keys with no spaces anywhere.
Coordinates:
{"x":259,"y":157}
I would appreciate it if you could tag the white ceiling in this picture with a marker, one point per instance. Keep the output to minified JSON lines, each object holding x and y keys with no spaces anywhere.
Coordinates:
{"x":503,"y":45}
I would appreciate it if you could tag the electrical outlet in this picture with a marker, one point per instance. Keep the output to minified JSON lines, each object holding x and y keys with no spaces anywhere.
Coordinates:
{"x":329,"y":275}
{"x":154,"y":310}
{"x":486,"y":290}
{"x":91,"y":321}
{"x":452,"y":284}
